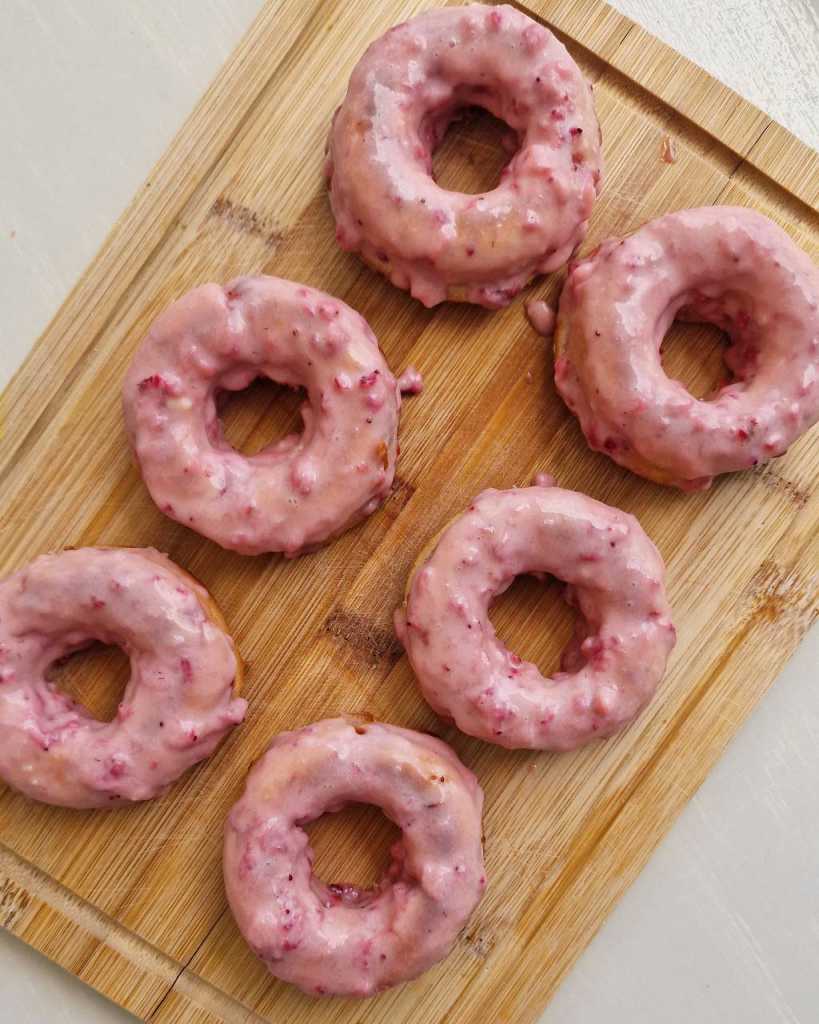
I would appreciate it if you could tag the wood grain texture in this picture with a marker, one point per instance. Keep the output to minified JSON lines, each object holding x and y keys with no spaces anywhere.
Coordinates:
{"x":132,"y":901}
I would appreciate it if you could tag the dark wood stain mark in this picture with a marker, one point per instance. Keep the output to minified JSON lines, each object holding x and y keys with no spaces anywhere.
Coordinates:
{"x":478,"y":944}
{"x":245,"y":220}
{"x":368,"y":640}
{"x":776,"y":594}
{"x":774,"y":482}
{"x":400,"y":494}
{"x":13,"y":903}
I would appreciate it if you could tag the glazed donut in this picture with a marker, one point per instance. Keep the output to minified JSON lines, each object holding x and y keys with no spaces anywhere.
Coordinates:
{"x":178,"y":704}
{"x":301,"y":491}
{"x":615,"y":581}
{"x":727,"y":266}
{"x":403,"y":93}
{"x":336,"y":939}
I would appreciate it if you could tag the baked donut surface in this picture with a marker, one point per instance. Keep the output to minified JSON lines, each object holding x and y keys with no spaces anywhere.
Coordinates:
{"x":339,"y":939}
{"x":615,"y":581}
{"x":299,"y":492}
{"x":724,"y":265}
{"x":179,"y":702}
{"x":402,"y":95}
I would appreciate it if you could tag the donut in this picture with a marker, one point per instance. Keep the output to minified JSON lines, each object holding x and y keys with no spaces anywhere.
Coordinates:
{"x":338,"y":939}
{"x":403,"y":94}
{"x":615,"y":580}
{"x":724,"y":265}
{"x":179,"y":702}
{"x":301,"y":491}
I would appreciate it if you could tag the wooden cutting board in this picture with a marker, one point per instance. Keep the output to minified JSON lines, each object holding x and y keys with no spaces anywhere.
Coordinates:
{"x":132,"y":901}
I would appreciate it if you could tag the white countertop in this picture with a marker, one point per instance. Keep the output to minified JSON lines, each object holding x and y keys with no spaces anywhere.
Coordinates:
{"x":723,"y":924}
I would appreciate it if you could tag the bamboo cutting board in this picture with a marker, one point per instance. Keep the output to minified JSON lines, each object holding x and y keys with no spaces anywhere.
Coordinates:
{"x":131,"y":901}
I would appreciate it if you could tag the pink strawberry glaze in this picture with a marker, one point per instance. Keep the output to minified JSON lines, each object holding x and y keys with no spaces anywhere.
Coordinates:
{"x":615,"y":580}
{"x":541,"y":317}
{"x":303,"y":490}
{"x":402,"y":95}
{"x":178,"y":704}
{"x":337,"y":939}
{"x":724,"y":265}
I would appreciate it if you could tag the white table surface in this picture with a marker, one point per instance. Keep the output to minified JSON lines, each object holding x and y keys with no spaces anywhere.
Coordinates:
{"x":723,"y":924}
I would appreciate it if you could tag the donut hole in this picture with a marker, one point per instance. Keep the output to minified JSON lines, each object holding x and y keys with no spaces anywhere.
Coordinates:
{"x":534,"y":621}
{"x":94,"y":677}
{"x":351,"y":847}
{"x":694,"y":355}
{"x":474,"y":149}
{"x":260,"y":416}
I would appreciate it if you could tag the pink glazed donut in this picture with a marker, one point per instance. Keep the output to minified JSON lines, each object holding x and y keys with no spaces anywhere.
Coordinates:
{"x":615,"y":580}
{"x":336,"y":939}
{"x":727,"y":266}
{"x":178,"y":704}
{"x":403,"y":93}
{"x":303,"y":490}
